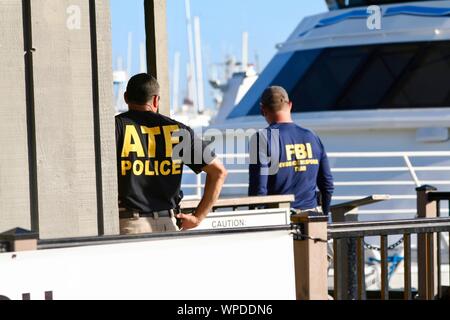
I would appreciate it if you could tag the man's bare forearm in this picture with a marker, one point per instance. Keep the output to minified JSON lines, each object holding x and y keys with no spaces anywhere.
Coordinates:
{"x":215,"y":179}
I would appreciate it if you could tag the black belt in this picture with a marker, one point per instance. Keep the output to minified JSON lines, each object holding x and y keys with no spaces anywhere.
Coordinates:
{"x":312,"y":212}
{"x":128,"y":214}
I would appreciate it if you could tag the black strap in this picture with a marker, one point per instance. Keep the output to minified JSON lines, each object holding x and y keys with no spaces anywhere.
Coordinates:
{"x":129,"y":214}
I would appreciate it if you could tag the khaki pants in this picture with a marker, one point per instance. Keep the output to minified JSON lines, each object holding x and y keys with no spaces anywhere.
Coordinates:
{"x":148,"y":225}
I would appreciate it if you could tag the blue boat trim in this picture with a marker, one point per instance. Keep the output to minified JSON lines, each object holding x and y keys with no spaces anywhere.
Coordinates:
{"x":355,"y":14}
{"x":417,"y":11}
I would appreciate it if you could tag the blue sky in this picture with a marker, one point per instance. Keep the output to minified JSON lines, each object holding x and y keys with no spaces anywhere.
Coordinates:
{"x":222,"y":23}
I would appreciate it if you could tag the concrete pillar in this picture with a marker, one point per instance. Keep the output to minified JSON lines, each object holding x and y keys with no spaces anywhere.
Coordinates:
{"x":14,"y":169}
{"x":311,"y":261}
{"x":157,"y":48}
{"x":66,"y":172}
{"x":58,"y":168}
{"x":105,"y":133}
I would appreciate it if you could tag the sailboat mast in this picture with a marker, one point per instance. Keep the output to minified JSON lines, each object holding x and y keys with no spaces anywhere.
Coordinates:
{"x":142,"y":59}
{"x":130,"y":55}
{"x":193,"y":78}
{"x":199,"y":65}
{"x":244,"y":51}
{"x":176,"y":82}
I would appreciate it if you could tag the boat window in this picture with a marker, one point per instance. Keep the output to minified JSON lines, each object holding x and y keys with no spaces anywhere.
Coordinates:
{"x":387,"y":76}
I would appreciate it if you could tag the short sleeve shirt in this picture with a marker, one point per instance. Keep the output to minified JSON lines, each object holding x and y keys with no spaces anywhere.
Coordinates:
{"x":151,"y":152}
{"x":293,"y":162}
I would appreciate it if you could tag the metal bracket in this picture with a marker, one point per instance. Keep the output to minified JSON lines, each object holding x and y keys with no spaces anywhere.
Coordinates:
{"x":298,"y":231}
{"x":4,"y":247}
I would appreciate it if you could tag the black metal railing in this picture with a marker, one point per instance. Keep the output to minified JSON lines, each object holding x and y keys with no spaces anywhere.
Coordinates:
{"x":405,"y":228}
{"x":349,"y":242}
{"x":438,"y":198}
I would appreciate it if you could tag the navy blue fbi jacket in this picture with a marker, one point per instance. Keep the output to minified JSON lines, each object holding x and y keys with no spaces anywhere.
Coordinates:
{"x":288,"y":159}
{"x":149,"y":170}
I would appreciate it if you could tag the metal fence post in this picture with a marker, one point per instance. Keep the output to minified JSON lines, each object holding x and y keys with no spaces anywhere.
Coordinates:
{"x":311,"y":260}
{"x":427,"y":247}
{"x":346,"y":271}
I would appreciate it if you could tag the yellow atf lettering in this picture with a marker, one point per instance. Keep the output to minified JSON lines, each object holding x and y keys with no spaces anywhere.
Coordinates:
{"x":170,"y":139}
{"x":132,"y":143}
{"x":152,"y":133}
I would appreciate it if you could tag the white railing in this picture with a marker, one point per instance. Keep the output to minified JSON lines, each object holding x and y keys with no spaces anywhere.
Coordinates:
{"x":406,"y":157}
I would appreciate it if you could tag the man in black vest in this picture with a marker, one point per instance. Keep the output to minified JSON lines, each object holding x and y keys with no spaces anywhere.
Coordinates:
{"x":151,"y":152}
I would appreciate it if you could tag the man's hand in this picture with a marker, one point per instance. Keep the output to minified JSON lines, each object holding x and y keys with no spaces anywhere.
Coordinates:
{"x":188,"y":221}
{"x":215,"y":178}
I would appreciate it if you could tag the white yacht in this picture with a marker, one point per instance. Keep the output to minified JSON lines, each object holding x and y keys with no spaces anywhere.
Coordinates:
{"x":378,"y":96}
{"x":372,"y":78}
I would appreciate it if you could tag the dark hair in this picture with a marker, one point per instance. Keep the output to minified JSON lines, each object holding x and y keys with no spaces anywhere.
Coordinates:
{"x":274,"y":98}
{"x":142,"y":88}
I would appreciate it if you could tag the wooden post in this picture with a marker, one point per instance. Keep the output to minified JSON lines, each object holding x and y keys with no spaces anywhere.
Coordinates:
{"x":15,"y":177}
{"x":346,"y":271}
{"x":348,"y":286}
{"x":19,"y":240}
{"x":108,"y":215}
{"x":59,"y":175}
{"x":311,"y":261}
{"x":427,"y":247}
{"x":157,"y":48}
{"x":65,"y":125}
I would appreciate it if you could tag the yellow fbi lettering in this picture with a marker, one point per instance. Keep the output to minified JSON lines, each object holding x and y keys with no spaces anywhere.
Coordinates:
{"x":299,"y":156}
{"x":300,"y":151}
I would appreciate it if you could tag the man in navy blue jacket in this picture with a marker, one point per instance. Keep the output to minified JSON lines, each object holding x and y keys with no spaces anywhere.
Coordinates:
{"x":288,"y":159}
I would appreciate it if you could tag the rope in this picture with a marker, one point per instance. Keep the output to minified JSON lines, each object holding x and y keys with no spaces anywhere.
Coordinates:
{"x":299,"y":235}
